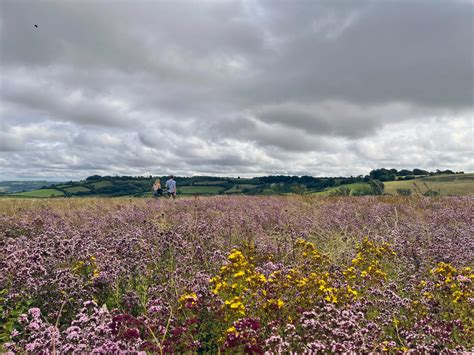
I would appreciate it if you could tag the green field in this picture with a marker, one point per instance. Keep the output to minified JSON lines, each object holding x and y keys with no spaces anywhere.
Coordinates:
{"x":200,"y":190}
{"x":40,"y":193}
{"x":77,"y":189}
{"x":444,"y":184}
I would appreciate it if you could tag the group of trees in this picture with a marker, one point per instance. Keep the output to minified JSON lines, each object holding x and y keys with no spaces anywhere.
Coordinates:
{"x":404,"y":174}
{"x":375,"y":187}
{"x":291,"y":181}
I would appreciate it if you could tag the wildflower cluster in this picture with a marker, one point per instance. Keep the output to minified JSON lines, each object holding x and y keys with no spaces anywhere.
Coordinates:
{"x":238,"y":284}
{"x":233,"y":274}
{"x":450,"y":290}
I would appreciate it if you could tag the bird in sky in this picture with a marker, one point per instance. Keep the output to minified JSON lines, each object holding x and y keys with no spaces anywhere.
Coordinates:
{"x":36,"y":26}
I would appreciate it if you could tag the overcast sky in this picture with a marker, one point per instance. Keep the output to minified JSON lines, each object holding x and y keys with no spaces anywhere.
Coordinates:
{"x":324,"y":88}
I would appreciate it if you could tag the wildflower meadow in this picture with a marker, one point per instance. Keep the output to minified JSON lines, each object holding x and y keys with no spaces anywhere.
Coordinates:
{"x":262,"y":274}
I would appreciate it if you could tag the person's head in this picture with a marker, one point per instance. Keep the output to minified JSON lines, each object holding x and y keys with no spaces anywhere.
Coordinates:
{"x":171,"y":177}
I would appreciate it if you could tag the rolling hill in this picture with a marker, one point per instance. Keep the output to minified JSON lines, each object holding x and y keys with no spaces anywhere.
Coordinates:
{"x":445,"y":185}
{"x":440,"y":184}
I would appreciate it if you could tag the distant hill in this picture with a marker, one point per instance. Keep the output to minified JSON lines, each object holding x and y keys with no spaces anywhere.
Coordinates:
{"x":116,"y":186}
{"x":9,"y":187}
{"x":436,"y":185}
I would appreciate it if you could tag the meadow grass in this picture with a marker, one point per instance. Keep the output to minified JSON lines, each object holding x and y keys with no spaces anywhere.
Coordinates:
{"x":234,"y":274}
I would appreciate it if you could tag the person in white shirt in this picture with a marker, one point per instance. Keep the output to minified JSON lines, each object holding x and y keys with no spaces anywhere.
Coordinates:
{"x":156,"y":189}
{"x":171,"y":186}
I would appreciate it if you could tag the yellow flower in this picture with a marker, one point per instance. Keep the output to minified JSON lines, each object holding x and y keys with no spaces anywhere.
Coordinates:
{"x":236,"y":256}
{"x":279,"y":303}
{"x":353,"y":292}
{"x":231,"y":330}
{"x":239,"y":273}
{"x":457,"y":295}
{"x":236,"y":304}
{"x":215,"y":279}
{"x":302,"y":282}
{"x":331,"y":298}
{"x":188,"y":297}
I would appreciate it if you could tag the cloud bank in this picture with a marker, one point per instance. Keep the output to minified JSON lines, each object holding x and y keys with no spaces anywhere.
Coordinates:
{"x":234,"y":87}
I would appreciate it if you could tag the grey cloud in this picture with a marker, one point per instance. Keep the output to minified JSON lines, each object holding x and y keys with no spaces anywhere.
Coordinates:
{"x":236,"y":87}
{"x":9,"y":143}
{"x":339,"y":118}
{"x":419,"y":52}
{"x":321,"y":121}
{"x":65,"y":105}
{"x":283,"y":137}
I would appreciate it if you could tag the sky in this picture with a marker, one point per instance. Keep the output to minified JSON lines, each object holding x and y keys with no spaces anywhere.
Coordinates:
{"x":234,"y":88}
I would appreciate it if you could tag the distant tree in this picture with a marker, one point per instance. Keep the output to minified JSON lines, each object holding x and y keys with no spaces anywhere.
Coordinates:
{"x":444,"y":172}
{"x":329,"y":182}
{"x":298,"y":189}
{"x":94,"y":178}
{"x":341,"y":191}
{"x":419,"y":172}
{"x":404,"y":192}
{"x":380,"y":174}
{"x":377,"y":187}
{"x":362,"y":191}
{"x":405,"y":172}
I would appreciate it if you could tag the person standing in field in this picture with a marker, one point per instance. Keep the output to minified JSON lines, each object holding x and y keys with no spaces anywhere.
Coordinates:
{"x":171,"y":186}
{"x":156,"y":189}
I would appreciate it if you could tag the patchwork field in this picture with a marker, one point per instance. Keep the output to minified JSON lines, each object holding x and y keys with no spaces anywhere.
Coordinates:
{"x":443,"y":184}
{"x":40,"y":193}
{"x":233,"y":274}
